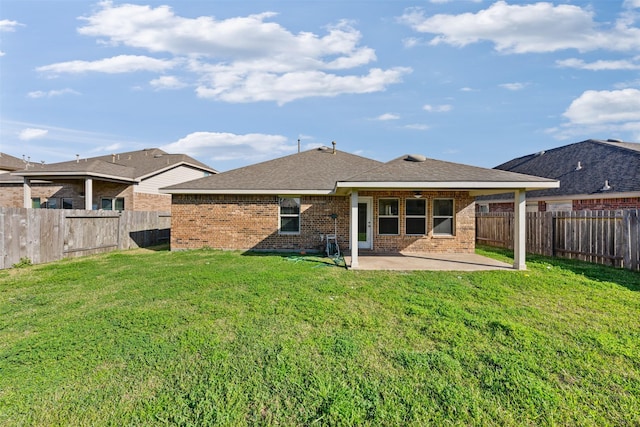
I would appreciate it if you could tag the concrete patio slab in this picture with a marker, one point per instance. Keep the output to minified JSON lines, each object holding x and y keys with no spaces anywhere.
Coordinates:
{"x":424,"y":261}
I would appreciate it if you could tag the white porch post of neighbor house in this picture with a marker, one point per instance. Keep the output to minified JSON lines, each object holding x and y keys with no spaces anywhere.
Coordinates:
{"x":353,"y":238}
{"x":27,"y":193}
{"x":88,"y":194}
{"x":519,"y":232}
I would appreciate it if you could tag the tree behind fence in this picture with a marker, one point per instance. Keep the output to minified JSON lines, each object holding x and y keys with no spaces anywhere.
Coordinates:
{"x":45,"y":235}
{"x":603,"y":237}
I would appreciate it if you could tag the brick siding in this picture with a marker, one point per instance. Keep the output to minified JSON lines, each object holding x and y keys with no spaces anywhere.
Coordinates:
{"x":251,"y":222}
{"x":606,"y":204}
{"x":150,"y":202}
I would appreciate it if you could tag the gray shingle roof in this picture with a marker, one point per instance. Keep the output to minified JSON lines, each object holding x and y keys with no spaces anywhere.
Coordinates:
{"x":10,"y":163}
{"x":618,"y":163}
{"x":128,"y":166}
{"x":403,"y":169}
{"x":312,"y":170}
{"x":319,"y":170}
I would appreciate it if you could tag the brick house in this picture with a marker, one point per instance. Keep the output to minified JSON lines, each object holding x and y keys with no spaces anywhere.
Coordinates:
{"x":125,"y":181}
{"x":410,"y":204}
{"x":593,"y":175}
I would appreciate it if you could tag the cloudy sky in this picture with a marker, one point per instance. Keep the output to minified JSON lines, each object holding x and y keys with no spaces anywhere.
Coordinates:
{"x":236,"y":82}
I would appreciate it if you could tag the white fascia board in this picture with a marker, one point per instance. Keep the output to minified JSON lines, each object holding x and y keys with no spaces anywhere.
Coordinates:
{"x":453,"y":185}
{"x":64,"y":175}
{"x":252,"y":192}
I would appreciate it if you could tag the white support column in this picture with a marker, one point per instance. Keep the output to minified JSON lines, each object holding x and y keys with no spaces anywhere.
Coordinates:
{"x":353,"y":235}
{"x":26,"y":187}
{"x":519,"y":232}
{"x":88,"y":194}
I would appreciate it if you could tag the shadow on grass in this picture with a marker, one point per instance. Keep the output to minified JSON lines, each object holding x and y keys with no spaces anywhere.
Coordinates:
{"x":316,"y":259}
{"x":602,"y":273}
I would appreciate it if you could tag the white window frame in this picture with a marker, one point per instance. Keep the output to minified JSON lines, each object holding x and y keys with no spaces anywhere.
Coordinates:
{"x":384,"y":216}
{"x":452,"y":216}
{"x":281,"y":215}
{"x":113,"y":203}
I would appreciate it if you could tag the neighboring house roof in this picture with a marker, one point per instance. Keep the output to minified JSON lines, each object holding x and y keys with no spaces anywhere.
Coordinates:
{"x":618,"y":163}
{"x":10,"y":163}
{"x":131,"y":166}
{"x":320,"y":171}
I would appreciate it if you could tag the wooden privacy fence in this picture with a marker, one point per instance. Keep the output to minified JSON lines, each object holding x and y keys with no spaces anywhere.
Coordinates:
{"x":603,"y":237}
{"x":45,"y":235}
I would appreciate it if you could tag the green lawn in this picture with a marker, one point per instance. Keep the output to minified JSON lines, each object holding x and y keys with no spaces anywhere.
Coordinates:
{"x":218,"y":338}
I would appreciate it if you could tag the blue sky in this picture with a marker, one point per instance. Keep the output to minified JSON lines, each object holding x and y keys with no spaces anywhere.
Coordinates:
{"x":236,"y":82}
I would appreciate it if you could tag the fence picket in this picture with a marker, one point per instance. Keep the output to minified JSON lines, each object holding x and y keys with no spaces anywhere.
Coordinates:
{"x":45,"y":235}
{"x":603,"y":237}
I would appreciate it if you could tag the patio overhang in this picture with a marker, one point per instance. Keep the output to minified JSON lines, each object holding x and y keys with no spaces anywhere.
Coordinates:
{"x":474,"y":188}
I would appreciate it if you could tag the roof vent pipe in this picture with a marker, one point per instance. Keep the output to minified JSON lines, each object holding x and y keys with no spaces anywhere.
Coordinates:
{"x":77,"y":158}
{"x":606,"y":186}
{"x":579,"y":166}
{"x":298,"y":145}
{"x":334,"y":146}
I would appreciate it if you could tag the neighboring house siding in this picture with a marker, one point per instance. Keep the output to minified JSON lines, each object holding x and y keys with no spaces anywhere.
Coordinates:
{"x":12,"y":195}
{"x":607,"y":204}
{"x":251,"y":222}
{"x":170,"y":177}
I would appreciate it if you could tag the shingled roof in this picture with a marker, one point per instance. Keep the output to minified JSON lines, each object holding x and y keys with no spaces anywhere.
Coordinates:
{"x":583,"y":167}
{"x":321,"y":171}
{"x":312,"y":171}
{"x":10,"y":163}
{"x":130,"y":166}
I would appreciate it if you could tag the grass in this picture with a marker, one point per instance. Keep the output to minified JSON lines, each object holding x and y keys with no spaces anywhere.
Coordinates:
{"x":218,"y":338}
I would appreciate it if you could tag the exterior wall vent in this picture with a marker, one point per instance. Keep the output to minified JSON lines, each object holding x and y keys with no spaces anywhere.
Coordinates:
{"x":415,"y":158}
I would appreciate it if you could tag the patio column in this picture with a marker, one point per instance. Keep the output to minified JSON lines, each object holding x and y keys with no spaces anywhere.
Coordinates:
{"x":26,"y":186}
{"x":353,"y":238}
{"x":88,"y":194}
{"x":519,"y":232}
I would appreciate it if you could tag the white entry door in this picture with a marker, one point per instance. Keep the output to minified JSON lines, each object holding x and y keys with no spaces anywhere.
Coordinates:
{"x":365,"y":219}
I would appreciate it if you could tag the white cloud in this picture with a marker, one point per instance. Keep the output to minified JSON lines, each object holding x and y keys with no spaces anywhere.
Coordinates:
{"x":7,"y":25}
{"x":52,"y":93}
{"x":537,"y":27}
{"x":219,"y":146}
{"x":417,"y":126}
{"x":387,"y":116}
{"x":167,"y":82}
{"x":600,"y":107}
{"x":32,"y":133}
{"x":282,"y":88}
{"x":437,"y":108}
{"x":513,"y":86}
{"x":631,"y":4}
{"x":114,"y":65}
{"x":607,"y":113}
{"x":601,"y":64}
{"x":242,"y":59}
{"x":2,"y":53}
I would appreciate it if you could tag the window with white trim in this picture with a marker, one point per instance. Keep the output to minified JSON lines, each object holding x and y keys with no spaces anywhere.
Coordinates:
{"x":443,"y":217}
{"x":415,"y":221}
{"x":116,"y":204}
{"x":388,"y":219}
{"x":289,"y":215}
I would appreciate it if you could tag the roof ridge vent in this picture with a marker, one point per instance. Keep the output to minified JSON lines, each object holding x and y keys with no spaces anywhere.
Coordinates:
{"x":324,"y":148}
{"x":614,"y":140}
{"x":415,"y":158}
